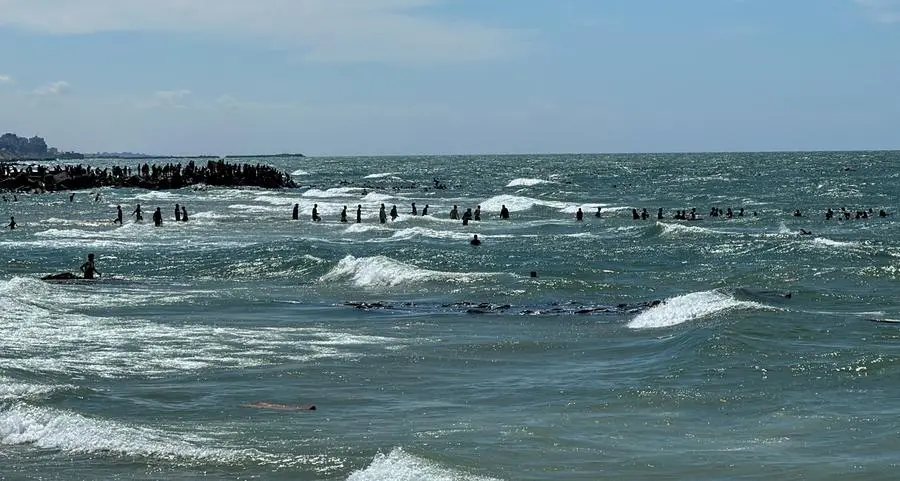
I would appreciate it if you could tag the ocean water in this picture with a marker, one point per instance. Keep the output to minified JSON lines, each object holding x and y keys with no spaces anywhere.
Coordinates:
{"x":429,"y":359}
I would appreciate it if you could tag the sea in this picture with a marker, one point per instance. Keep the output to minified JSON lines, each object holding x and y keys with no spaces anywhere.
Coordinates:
{"x":715,"y":349}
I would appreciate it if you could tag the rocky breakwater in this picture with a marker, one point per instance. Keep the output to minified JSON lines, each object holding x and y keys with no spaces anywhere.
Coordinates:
{"x":42,"y":178}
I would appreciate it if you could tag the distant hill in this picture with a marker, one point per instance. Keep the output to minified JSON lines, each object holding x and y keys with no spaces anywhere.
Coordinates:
{"x":13,"y":147}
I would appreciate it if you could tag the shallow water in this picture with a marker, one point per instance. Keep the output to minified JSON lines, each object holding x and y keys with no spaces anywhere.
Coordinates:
{"x":430,"y":359}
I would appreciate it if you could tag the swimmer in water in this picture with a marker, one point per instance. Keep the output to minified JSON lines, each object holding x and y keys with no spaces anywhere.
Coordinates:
{"x":475,"y":240}
{"x":89,"y":269}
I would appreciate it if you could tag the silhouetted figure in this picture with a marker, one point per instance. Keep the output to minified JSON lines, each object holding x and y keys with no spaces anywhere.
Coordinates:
{"x":597,"y":214}
{"x":477,"y":214}
{"x":89,"y":269}
{"x":579,"y":215}
{"x":315,"y":213}
{"x":797,"y":213}
{"x":157,"y":217}
{"x":425,"y":210}
{"x":358,"y":213}
{"x":475,"y":240}
{"x":184,"y":217}
{"x":644,"y":214}
{"x":12,"y":223}
{"x":382,"y":215}
{"x":504,"y":212}
{"x":882,"y":213}
{"x":118,"y":215}
{"x":533,"y":274}
{"x":659,"y":214}
{"x":295,"y":214}
{"x":394,"y":214}
{"x":635,"y":215}
{"x":138,"y":217}
{"x":467,"y":216}
{"x":414,"y":210}
{"x":97,"y":197}
{"x":454,"y":213}
{"x":344,"y":214}
{"x":71,"y":197}
{"x":177,"y":213}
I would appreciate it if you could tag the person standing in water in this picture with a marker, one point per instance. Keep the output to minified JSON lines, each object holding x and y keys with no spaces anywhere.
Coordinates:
{"x":137,"y":213}
{"x":394,"y":213}
{"x":454,"y":213}
{"x":504,"y":212}
{"x":425,"y":211}
{"x":72,"y":197}
{"x":414,"y":210}
{"x":184,"y":217}
{"x":344,"y":214}
{"x":315,"y":213}
{"x":477,"y":214}
{"x":358,"y":213}
{"x":177,"y":213}
{"x":467,"y":216}
{"x":12,"y":223}
{"x":579,"y":216}
{"x":295,"y":215}
{"x":89,"y":269}
{"x":475,"y":240}
{"x":597,"y":214}
{"x":382,"y":215}
{"x":118,"y":215}
{"x":157,"y":217}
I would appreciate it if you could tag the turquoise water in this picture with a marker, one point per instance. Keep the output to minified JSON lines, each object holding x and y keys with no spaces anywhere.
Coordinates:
{"x":430,"y":359}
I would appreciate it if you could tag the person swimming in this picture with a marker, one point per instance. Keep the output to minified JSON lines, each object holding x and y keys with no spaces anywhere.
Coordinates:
{"x":89,"y":269}
{"x":475,"y":240}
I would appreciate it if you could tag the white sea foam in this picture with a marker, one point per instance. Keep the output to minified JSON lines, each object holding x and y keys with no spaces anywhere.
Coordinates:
{"x":299,"y":172}
{"x":12,"y":390}
{"x":401,"y":466}
{"x":375,"y":197}
{"x":516,"y":203}
{"x":380,"y":175}
{"x":73,"y":433}
{"x":689,"y":307}
{"x":671,"y":229}
{"x":413,"y":232}
{"x":381,"y":271}
{"x":825,"y":242}
{"x":43,"y":334}
{"x":334,"y":192}
{"x":526,"y":182}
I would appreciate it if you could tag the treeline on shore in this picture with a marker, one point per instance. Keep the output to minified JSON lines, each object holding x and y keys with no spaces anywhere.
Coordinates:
{"x":43,"y":178}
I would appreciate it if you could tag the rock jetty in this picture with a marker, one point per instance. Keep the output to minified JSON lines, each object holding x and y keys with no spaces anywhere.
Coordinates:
{"x":42,"y":178}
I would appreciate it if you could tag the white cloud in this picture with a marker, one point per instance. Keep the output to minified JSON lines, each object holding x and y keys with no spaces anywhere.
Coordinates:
{"x":882,"y":11}
{"x":52,"y":88}
{"x":322,"y":30}
{"x":5,"y":79}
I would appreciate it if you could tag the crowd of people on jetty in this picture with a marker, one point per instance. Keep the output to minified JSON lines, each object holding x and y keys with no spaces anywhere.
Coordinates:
{"x":42,"y":178}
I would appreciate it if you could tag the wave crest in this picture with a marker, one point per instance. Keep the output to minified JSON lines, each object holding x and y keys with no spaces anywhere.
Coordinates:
{"x":696,"y":305}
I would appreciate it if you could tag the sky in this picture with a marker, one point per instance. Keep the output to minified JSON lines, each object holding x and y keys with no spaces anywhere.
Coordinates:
{"x":395,"y":77}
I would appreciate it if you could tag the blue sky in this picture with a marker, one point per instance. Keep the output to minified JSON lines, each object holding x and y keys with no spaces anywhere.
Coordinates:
{"x":361,"y":77}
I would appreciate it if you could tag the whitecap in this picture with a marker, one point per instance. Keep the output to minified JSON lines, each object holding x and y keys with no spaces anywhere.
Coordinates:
{"x":380,"y":175}
{"x":401,"y":466}
{"x":382,"y":271}
{"x":526,"y":182}
{"x":689,"y":307}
